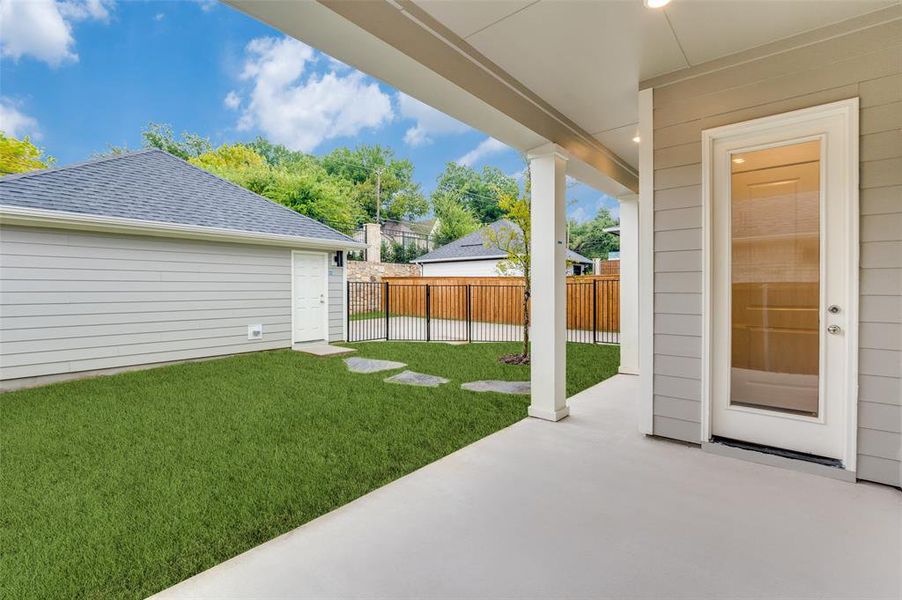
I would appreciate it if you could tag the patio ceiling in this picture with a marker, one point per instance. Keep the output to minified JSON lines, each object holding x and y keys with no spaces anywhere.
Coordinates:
{"x":532,"y":72}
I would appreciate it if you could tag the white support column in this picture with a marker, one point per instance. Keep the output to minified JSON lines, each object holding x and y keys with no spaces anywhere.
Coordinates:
{"x":629,"y":284}
{"x":646,"y":261}
{"x":548,"y":362}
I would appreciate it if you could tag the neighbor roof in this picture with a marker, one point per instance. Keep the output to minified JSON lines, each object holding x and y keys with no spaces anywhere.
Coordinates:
{"x":473,"y":247}
{"x":154,"y":186}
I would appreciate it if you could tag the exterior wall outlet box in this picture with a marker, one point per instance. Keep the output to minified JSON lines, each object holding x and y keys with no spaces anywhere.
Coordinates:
{"x":255,"y":332}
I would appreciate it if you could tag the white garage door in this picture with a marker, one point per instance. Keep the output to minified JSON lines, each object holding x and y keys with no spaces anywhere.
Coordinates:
{"x":309,"y":290}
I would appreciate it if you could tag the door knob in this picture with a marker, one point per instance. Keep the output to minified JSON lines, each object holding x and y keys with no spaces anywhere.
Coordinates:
{"x":834,"y":329}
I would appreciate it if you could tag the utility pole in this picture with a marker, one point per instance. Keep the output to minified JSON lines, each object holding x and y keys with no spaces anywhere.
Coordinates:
{"x":378,"y":195}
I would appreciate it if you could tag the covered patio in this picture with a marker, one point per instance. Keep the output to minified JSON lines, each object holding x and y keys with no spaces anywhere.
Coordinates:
{"x":584,"y":508}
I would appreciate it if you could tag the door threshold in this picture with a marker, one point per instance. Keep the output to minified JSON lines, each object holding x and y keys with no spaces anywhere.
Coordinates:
{"x":778,"y":457}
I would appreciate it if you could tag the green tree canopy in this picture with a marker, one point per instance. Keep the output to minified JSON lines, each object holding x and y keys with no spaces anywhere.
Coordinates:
{"x":160,"y":136}
{"x":479,"y":191}
{"x":276,"y":154}
{"x":302,"y":184}
{"x":454,"y":220}
{"x":590,"y":238}
{"x":365,"y":166}
{"x":21,"y":156}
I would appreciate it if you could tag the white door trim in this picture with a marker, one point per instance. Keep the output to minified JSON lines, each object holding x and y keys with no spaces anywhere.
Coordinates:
{"x":847,"y":112}
{"x":325,"y":256}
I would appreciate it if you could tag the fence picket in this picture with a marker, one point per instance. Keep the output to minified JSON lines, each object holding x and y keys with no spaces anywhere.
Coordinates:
{"x":474,"y":309}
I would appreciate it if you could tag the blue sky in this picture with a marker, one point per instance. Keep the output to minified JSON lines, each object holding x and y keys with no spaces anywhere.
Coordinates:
{"x":79,"y":75}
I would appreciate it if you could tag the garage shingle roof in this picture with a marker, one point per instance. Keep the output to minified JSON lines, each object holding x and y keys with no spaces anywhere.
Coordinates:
{"x":473,"y":247}
{"x":152,"y":185}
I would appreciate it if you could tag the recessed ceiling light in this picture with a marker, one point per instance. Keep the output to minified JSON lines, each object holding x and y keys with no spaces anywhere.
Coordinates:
{"x":738,"y":160}
{"x":656,"y":3}
{"x":637,"y":139}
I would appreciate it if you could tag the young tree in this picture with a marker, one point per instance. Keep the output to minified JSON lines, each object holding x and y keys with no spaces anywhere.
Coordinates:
{"x":21,"y":156}
{"x":512,"y":236}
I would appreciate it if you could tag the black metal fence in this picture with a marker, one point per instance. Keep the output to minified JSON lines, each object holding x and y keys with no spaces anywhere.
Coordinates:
{"x":486,"y":312}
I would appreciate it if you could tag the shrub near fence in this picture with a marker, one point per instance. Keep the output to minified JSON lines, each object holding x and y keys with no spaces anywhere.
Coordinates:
{"x":462,"y":308}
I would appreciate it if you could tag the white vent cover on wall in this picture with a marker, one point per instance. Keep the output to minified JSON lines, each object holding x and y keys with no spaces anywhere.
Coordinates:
{"x":255,"y":332}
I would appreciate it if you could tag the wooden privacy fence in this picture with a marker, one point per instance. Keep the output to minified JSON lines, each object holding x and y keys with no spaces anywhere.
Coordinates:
{"x":475,"y":308}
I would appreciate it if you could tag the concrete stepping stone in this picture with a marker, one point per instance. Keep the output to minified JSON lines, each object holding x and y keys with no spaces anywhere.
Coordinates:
{"x":502,"y":387}
{"x":358,"y":364}
{"x":412,"y":378}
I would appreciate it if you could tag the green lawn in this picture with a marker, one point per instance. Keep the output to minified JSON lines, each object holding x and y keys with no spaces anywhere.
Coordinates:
{"x":121,"y":486}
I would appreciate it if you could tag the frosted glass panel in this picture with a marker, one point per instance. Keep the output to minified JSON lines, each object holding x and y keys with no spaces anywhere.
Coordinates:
{"x":775,"y":220}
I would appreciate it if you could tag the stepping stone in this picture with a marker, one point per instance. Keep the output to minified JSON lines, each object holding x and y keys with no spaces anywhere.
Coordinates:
{"x":421,"y":379}
{"x":502,"y":387}
{"x":322,"y":349}
{"x":357,"y":364}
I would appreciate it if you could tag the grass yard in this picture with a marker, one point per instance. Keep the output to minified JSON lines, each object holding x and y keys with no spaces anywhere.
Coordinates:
{"x":118,"y":487}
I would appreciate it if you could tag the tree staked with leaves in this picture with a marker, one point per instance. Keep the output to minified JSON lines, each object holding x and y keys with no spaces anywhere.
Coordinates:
{"x":21,"y":156}
{"x":513,"y":237}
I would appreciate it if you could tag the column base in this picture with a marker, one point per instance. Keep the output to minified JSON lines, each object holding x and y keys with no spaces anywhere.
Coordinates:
{"x":627,"y":371}
{"x":548,"y":415}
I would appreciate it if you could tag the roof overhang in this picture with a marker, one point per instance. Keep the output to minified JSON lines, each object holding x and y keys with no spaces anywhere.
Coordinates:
{"x":459,"y":259}
{"x":401,"y":44}
{"x":32,"y":217}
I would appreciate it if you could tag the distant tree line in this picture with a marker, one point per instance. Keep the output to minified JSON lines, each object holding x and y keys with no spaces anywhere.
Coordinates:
{"x":344,"y":188}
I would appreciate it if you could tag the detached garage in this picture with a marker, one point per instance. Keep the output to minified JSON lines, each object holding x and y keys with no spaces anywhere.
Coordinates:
{"x":143,"y":259}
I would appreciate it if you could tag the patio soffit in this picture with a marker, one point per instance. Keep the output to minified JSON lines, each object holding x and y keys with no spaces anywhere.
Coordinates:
{"x":528,"y":72}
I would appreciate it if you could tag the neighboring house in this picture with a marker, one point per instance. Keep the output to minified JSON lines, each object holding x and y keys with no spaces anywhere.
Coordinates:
{"x":473,"y":256}
{"x":143,"y":258}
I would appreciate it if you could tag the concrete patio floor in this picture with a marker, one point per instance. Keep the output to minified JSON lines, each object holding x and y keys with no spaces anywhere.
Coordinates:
{"x":584,"y":508}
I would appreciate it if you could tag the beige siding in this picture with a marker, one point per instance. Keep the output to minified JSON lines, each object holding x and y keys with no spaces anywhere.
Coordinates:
{"x":77,"y":301}
{"x":867,"y":64}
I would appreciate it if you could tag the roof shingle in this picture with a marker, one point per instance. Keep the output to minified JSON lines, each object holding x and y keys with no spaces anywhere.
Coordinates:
{"x":152,"y":185}
{"x":473,"y":247}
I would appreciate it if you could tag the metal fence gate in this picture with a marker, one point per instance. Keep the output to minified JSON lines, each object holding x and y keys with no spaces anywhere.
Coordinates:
{"x":474,"y":313}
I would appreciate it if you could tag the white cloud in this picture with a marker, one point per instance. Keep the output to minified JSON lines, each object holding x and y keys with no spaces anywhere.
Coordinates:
{"x":207,"y":5}
{"x":485,"y":148}
{"x":302,"y":110}
{"x":429,"y":121}
{"x":579,"y":214}
{"x":42,"y":29}
{"x":232,"y":100}
{"x":97,"y":10}
{"x":159,"y":16}
{"x":16,"y":123}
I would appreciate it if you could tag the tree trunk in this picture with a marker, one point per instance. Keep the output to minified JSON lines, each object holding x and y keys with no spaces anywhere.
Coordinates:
{"x":526,"y":319}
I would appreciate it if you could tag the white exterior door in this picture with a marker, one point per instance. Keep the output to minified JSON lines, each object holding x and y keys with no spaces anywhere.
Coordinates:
{"x":781,"y":294}
{"x":309,"y":301}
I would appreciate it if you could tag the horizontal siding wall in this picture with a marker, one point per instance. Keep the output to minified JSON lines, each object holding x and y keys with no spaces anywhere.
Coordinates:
{"x":77,"y":301}
{"x":336,"y":301}
{"x":866,"y":64}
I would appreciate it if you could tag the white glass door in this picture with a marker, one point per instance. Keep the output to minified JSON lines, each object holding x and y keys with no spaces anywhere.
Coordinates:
{"x":781,"y":287}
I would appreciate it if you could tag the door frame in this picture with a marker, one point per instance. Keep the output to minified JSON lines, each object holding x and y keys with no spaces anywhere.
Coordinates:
{"x":325,"y":256}
{"x":846,"y":111}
